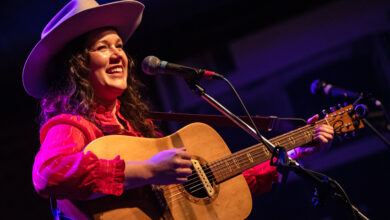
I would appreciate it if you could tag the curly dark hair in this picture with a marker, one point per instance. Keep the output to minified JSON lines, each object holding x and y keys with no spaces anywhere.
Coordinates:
{"x":71,"y":92}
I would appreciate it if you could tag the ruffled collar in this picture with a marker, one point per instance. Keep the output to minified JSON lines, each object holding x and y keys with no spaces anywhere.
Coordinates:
{"x":106,"y":121}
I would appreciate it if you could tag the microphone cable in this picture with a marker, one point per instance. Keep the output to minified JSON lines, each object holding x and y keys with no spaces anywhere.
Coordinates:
{"x":243,"y":106}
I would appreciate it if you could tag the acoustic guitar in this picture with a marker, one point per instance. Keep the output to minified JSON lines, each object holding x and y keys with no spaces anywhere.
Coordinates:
{"x":215,"y":190}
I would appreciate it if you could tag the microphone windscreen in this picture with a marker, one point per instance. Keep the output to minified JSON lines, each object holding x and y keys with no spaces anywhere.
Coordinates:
{"x":150,"y":65}
{"x":317,"y":87}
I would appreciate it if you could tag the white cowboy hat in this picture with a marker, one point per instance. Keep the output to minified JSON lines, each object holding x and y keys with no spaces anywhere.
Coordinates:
{"x":76,"y":18}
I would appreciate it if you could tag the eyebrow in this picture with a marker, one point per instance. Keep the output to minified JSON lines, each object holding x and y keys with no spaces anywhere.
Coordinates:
{"x":106,"y":42}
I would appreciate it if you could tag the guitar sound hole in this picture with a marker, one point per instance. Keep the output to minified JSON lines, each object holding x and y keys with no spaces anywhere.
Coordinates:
{"x":194,"y":185}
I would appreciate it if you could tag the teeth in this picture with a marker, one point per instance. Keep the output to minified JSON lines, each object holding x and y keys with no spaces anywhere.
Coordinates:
{"x":116,"y":70}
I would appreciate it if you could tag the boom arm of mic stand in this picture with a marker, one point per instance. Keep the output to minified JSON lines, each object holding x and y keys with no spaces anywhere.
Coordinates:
{"x":366,"y":122}
{"x":198,"y":90}
{"x":383,"y":138}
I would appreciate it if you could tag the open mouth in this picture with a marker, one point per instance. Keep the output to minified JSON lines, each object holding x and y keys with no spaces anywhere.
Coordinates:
{"x":115,"y":69}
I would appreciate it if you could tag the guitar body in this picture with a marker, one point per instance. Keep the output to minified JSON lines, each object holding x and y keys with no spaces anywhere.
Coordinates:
{"x":231,"y":200}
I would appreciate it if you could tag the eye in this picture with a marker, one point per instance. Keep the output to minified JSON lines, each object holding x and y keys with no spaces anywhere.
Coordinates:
{"x":119,"y":46}
{"x":101,"y":47}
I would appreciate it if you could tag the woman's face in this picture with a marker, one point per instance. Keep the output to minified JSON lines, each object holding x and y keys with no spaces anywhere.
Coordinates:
{"x":107,"y":63}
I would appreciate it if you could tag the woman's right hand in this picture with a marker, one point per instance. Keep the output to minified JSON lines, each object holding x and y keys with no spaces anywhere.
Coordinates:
{"x":171,"y":166}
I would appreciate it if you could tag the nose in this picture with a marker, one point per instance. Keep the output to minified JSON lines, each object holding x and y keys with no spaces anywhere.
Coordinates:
{"x":116,"y":55}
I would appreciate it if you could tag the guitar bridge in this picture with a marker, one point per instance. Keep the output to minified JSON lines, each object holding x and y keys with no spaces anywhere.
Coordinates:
{"x":203,"y":177}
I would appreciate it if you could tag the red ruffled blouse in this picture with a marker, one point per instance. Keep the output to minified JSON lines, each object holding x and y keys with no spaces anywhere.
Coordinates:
{"x":62,"y":170}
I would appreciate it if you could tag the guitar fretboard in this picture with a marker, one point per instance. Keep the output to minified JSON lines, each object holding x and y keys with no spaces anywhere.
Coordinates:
{"x":236,"y":163}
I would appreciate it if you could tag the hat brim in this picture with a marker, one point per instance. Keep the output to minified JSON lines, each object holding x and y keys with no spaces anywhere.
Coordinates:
{"x":124,"y":16}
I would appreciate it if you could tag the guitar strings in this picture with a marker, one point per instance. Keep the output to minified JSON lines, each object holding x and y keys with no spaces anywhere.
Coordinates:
{"x":217,"y":168}
{"x":209,"y":172}
{"x":178,"y":191}
{"x":173,"y":191}
{"x":302,"y":131}
{"x":278,"y":139}
{"x":254,"y":154}
{"x":259,"y":145}
{"x":252,"y":150}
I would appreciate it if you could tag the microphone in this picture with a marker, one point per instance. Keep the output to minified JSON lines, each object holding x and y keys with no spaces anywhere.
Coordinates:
{"x":152,"y":65}
{"x":320,"y":87}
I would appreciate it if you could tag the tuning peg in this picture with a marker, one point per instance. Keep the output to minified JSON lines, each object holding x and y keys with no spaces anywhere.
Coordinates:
{"x":340,"y":107}
{"x":345,"y":104}
{"x":361,"y":111}
{"x":324,"y":112}
{"x":332,"y":109}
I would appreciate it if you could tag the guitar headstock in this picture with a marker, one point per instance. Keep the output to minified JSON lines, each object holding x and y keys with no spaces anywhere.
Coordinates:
{"x":344,"y":120}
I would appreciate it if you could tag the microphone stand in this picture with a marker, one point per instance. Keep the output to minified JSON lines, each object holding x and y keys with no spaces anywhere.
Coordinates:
{"x":324,"y":188}
{"x":324,"y":185}
{"x":279,"y":158}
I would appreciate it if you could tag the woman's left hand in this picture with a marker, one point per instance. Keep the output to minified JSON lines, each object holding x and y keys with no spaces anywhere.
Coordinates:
{"x":323,"y":138}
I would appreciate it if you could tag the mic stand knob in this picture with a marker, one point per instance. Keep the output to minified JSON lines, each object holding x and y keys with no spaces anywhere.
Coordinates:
{"x":282,"y":162}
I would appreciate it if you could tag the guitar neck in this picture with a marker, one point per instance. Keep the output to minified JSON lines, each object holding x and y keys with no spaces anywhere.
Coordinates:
{"x":236,"y":163}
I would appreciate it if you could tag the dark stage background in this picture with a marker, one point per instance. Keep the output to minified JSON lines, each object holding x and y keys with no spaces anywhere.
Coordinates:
{"x":270,"y":50}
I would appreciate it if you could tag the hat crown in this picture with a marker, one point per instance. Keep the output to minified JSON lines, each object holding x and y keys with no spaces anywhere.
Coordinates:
{"x":72,"y":8}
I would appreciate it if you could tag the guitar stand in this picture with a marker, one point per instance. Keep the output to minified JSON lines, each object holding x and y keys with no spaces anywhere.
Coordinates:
{"x":325,"y":187}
